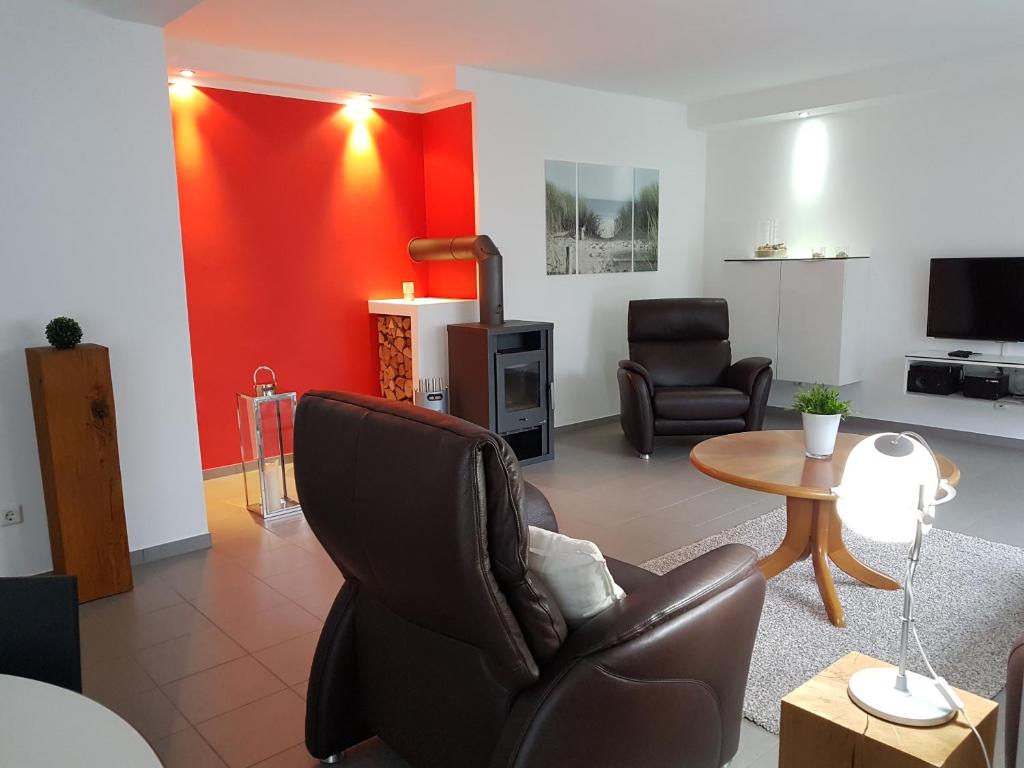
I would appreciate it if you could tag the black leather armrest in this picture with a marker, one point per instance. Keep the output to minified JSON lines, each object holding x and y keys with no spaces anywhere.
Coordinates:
{"x":635,"y":410}
{"x":538,"y":508}
{"x":656,"y":679}
{"x":1014,"y":684}
{"x":678,"y":591}
{"x":743,"y":374}
{"x":630,"y":365}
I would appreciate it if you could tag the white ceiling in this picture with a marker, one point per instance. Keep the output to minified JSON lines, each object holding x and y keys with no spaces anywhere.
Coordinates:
{"x":691,"y":50}
{"x":154,"y":12}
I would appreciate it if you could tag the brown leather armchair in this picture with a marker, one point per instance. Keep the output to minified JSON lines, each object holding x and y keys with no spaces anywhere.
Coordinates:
{"x":680,"y":378}
{"x":442,"y":645}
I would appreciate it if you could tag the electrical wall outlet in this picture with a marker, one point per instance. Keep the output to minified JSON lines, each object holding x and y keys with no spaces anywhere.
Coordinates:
{"x":11,"y":515}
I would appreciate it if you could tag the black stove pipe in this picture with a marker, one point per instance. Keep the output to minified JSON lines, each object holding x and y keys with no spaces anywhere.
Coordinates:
{"x":488,"y":276}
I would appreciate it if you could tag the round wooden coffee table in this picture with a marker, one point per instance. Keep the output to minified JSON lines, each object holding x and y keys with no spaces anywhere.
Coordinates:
{"x":773,"y":461}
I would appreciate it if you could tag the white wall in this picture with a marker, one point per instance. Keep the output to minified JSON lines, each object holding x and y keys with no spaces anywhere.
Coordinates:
{"x":936,"y":175}
{"x":89,"y":228}
{"x":520,"y":123}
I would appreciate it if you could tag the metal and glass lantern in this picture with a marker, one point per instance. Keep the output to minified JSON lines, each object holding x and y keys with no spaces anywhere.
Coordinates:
{"x":265,"y":427}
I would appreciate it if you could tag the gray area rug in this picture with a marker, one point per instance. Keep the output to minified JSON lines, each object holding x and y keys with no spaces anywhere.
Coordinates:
{"x":969,"y":608}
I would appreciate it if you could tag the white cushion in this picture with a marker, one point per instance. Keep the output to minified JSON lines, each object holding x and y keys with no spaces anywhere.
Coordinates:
{"x":574,"y":572}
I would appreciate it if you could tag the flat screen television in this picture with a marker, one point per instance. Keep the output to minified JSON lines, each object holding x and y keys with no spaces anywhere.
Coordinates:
{"x":981,"y":298}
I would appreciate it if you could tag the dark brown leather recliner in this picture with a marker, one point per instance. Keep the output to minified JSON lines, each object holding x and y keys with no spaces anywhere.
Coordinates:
{"x":1014,"y":686}
{"x":680,"y":378}
{"x":442,"y":645}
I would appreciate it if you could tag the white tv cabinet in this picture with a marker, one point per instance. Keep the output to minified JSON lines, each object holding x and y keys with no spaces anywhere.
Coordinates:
{"x":808,"y":315}
{"x":1006,"y":363}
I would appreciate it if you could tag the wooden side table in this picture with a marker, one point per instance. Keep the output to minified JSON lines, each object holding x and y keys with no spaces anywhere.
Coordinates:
{"x":823,"y":728}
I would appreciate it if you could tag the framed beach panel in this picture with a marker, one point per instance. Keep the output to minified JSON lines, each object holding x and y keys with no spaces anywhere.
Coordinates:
{"x":605,"y":215}
{"x":560,"y":207}
{"x":646,"y":193}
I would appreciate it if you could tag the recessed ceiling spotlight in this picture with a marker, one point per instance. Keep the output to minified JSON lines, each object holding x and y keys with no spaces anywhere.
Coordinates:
{"x":358,"y":108}
{"x":798,"y":114}
{"x":187,"y":73}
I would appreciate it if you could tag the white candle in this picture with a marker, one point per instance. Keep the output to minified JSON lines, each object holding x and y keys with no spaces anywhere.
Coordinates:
{"x":272,"y":477}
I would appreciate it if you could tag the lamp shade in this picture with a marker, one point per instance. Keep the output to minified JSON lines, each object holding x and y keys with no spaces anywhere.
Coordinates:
{"x":880,"y":493}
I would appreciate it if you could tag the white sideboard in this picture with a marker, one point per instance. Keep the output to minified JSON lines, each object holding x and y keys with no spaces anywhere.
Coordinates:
{"x":808,"y":315}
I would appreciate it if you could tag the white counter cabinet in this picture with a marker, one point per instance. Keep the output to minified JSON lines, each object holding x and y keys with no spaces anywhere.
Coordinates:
{"x":808,"y":315}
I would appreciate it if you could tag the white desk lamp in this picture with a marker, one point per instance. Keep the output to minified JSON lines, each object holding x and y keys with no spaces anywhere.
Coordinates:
{"x":890,"y":488}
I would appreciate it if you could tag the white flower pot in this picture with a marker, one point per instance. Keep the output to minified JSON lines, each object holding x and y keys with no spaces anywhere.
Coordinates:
{"x":820,"y":434}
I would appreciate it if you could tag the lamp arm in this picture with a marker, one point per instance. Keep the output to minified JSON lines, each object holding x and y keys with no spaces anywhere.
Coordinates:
{"x":908,"y":600}
{"x":922,"y":441}
{"x":925,"y":510}
{"x":949,"y":492}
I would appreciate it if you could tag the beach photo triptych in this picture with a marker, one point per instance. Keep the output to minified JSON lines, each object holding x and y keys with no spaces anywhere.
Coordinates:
{"x":600,"y":218}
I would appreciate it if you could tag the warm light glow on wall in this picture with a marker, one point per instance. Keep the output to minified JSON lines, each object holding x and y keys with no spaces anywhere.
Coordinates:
{"x":810,"y":161}
{"x":360,"y":159}
{"x":187,"y":102}
{"x":359,"y":139}
{"x":182,"y":89}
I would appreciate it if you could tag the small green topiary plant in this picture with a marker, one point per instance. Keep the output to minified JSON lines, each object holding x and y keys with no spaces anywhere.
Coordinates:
{"x":63,"y":332}
{"x":821,"y":400}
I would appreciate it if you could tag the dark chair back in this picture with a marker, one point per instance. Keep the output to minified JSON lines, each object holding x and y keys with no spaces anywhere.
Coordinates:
{"x":424,"y":515}
{"x":39,"y":634}
{"x":681,"y":342}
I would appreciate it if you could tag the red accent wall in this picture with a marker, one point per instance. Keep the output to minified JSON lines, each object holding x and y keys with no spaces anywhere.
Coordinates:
{"x":293,"y":215}
{"x":450,"y":194}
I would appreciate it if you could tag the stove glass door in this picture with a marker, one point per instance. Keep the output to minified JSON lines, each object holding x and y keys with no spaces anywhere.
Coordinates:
{"x":522,"y":389}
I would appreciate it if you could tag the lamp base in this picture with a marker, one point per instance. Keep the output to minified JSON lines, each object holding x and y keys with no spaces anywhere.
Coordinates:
{"x":874,"y":690}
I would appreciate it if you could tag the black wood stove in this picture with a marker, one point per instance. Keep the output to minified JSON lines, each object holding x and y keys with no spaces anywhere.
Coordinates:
{"x":500,"y":372}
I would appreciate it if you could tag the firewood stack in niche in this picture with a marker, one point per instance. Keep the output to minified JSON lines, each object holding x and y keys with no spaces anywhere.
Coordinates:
{"x":394,"y":339}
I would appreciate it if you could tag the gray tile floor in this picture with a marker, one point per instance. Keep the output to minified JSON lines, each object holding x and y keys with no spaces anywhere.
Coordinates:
{"x":209,"y":656}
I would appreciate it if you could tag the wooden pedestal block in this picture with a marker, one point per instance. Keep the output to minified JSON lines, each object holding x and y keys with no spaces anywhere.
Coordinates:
{"x":77,"y":436}
{"x":823,"y":728}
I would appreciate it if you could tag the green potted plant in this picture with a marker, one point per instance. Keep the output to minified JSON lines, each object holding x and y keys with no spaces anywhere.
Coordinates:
{"x":821,"y":410}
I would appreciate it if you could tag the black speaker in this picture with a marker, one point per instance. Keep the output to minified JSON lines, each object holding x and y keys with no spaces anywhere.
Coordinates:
{"x":990,"y":387}
{"x":934,"y":378}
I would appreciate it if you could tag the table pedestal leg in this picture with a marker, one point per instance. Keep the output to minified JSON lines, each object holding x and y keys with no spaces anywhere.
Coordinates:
{"x":796,"y":544}
{"x":814,"y":528}
{"x":822,"y":573}
{"x":841,"y":556}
